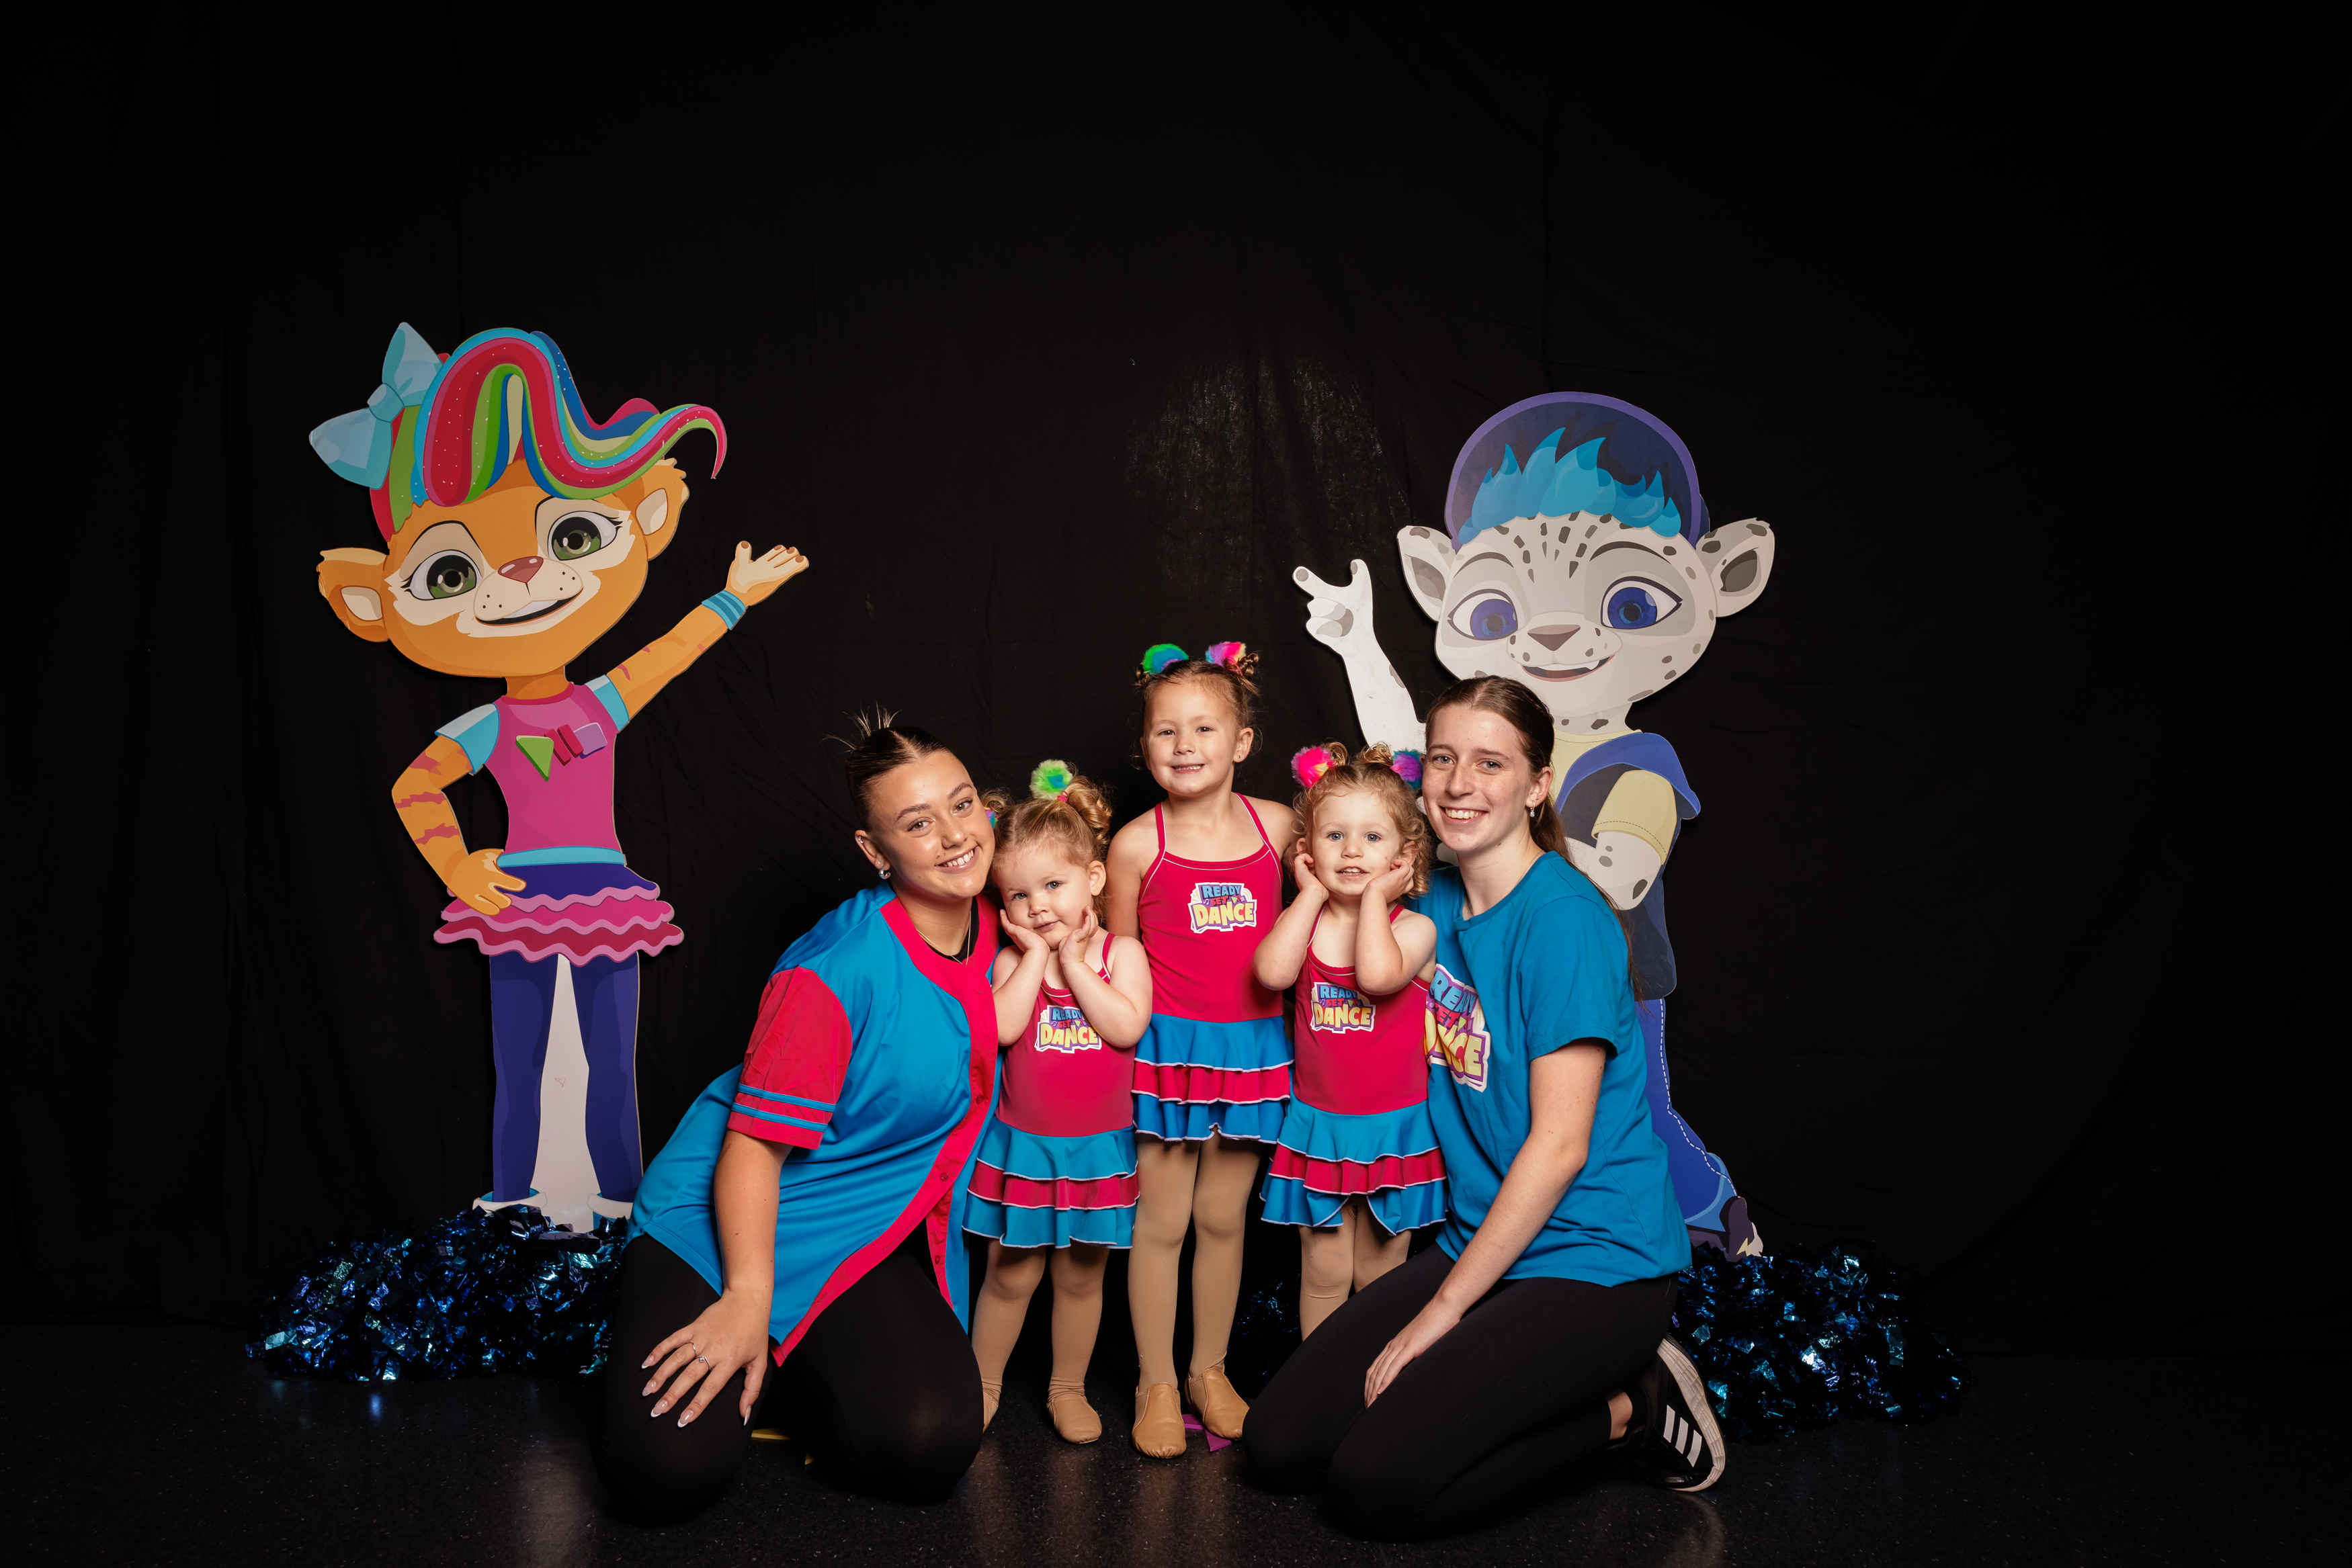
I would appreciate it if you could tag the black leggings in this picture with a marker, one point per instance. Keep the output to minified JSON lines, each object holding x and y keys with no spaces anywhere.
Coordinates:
{"x":1517,"y":1393}
{"x":883,"y":1385}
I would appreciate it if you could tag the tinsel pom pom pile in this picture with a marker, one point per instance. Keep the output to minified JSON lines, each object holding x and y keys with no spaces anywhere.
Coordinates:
{"x":1808,"y":1336}
{"x":480,"y":1291}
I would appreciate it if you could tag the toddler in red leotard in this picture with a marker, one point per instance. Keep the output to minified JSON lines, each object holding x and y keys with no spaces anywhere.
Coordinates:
{"x":1054,"y":1173}
{"x":1357,"y":1168}
{"x":1199,"y":883}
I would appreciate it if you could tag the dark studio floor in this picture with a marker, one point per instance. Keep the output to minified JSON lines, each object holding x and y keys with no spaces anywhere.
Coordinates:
{"x":164,"y":1445}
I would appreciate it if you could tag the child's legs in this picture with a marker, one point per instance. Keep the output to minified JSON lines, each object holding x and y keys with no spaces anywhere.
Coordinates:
{"x":1004,"y":1305}
{"x":1326,"y":1262}
{"x":606,"y":992}
{"x":1077,"y":1310}
{"x":522,"y":1000}
{"x":1221,"y":1194}
{"x":1702,"y":1186}
{"x":1376,"y":1251}
{"x":1164,"y":1173}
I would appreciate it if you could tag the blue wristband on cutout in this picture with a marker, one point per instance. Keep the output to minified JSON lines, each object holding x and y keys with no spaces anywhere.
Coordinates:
{"x":726,"y":606}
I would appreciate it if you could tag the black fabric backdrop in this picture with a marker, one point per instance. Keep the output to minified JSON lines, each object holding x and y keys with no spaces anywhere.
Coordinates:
{"x":1993,"y":933}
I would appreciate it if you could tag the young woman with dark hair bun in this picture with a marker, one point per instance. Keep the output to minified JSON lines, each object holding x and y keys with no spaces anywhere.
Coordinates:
{"x":1535,"y":1333}
{"x":796,"y":1238}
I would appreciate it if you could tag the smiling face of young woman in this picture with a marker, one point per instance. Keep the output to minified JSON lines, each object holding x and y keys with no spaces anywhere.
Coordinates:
{"x":926,"y":830}
{"x":1192,"y":738}
{"x":1478,"y":782}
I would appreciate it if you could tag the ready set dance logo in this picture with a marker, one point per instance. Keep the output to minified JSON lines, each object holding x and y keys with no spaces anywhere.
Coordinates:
{"x":1333,"y":1009}
{"x":1458,"y":1041}
{"x":1065,"y":1029}
{"x":1223,"y":906}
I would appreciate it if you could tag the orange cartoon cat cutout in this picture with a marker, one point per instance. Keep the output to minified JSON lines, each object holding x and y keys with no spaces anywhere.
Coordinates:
{"x":516,"y":531}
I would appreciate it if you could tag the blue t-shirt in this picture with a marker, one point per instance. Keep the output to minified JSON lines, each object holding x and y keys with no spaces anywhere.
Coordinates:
{"x":1542,"y":969}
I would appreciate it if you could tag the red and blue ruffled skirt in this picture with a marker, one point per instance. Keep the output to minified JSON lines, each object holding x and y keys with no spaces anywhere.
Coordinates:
{"x":1031,"y":1190}
{"x":1389,"y":1158}
{"x":1192,"y":1079}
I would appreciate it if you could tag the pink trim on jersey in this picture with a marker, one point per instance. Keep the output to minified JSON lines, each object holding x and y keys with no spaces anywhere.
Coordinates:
{"x":1062,"y":1079}
{"x":1357,"y":1055}
{"x":1201,"y":922}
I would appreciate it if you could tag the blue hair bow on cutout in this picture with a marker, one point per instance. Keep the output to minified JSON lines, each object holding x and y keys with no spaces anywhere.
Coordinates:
{"x":358,"y":445}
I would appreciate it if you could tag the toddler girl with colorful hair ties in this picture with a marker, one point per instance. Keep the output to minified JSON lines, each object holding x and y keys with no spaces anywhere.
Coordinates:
{"x":1357,"y":1168}
{"x":1199,"y":881}
{"x":1054,"y":1173}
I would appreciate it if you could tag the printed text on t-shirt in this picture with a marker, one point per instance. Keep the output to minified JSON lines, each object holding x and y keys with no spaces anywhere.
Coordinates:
{"x":1458,"y":1041}
{"x":1065,"y":1029}
{"x":1331,"y":1008}
{"x":1223,"y":906}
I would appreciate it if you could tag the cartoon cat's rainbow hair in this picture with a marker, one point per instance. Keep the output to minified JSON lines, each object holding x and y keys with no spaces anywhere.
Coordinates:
{"x":506,"y":393}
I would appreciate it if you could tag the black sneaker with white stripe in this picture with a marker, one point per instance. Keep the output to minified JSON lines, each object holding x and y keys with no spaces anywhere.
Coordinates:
{"x":1675,"y":1439}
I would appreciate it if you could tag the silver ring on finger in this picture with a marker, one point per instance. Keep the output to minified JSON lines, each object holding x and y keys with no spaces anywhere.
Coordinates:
{"x":704,"y":1359}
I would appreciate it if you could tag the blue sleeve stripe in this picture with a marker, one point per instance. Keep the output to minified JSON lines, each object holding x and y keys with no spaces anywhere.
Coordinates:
{"x":602,"y":686}
{"x":476,"y":731}
{"x":726,"y":606}
{"x":743,"y":1110}
{"x":787,"y":1099}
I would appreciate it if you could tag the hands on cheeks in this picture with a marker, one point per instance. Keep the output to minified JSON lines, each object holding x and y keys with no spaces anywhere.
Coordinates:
{"x":1430,"y":1325}
{"x":1024,"y":941}
{"x":1391,"y":885}
{"x":731,"y":1336}
{"x":1302,"y":875}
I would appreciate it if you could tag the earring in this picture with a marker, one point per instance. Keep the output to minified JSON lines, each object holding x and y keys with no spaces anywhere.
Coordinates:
{"x":884,"y":874}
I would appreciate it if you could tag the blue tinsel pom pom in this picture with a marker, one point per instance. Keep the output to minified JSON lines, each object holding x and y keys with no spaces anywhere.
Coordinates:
{"x":480,"y":1291}
{"x":1808,"y":1336}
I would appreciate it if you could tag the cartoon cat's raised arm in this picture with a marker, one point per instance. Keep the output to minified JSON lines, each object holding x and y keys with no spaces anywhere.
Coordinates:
{"x":1341,"y":620}
{"x":750,"y":579}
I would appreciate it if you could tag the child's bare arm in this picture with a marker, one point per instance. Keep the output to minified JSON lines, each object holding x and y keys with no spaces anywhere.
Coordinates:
{"x":1119,"y":1008}
{"x":1390,"y":954}
{"x":1284,"y":952}
{"x":1383,"y":964}
{"x":1020,"y":970}
{"x":474,"y":879}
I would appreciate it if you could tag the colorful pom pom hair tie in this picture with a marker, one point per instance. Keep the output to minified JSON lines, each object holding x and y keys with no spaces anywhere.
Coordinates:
{"x":1311,"y":763}
{"x":1051,"y":780}
{"x":1159,"y":655}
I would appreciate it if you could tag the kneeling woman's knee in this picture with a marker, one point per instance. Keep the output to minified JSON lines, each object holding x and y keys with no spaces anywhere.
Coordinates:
{"x":918,"y":1452}
{"x":654,"y":1481}
{"x":1377,"y":1493}
{"x":1285,"y":1453}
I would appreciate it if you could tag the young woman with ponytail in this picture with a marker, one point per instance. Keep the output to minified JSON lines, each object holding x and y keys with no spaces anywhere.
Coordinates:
{"x":1563,"y":1235}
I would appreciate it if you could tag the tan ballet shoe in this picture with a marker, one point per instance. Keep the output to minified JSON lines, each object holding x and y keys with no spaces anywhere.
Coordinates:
{"x":1159,"y":1424}
{"x":992,"y":1394}
{"x":1074,"y":1417}
{"x":1213,"y":1399}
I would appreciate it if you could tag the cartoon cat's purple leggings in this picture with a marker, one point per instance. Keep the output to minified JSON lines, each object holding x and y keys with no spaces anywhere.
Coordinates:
{"x":523,"y":1006}
{"x":1701,"y":1184}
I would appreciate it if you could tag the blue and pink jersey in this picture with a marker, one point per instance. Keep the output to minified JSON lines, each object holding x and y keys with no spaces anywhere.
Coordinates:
{"x":1358,"y":1123}
{"x":1214,"y":1058}
{"x":1056,"y":1162}
{"x":874,"y":1062}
